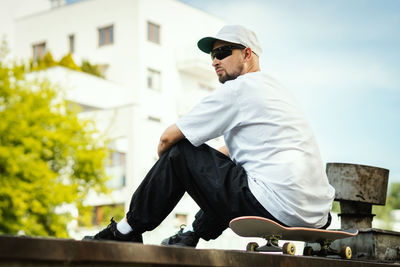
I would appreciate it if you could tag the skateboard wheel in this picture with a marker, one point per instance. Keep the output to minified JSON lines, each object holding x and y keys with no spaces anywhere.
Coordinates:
{"x":289,"y":248}
{"x":308,"y":251}
{"x":252,"y":246}
{"x":345,"y":253}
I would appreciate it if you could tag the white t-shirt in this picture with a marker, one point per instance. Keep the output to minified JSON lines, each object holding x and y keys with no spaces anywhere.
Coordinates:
{"x":267,"y":134}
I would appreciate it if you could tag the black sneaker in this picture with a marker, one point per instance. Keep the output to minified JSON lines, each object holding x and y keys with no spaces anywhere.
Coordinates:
{"x":112,"y":233}
{"x":181,"y":239}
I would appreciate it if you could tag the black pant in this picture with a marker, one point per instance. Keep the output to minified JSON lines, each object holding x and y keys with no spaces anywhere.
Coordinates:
{"x":217,"y":185}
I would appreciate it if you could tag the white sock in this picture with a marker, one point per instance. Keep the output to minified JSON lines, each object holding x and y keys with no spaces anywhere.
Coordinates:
{"x":123,"y":227}
{"x":188,"y":228}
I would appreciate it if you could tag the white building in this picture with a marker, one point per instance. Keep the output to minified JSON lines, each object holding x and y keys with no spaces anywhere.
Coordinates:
{"x":11,"y":9}
{"x":155,"y":73}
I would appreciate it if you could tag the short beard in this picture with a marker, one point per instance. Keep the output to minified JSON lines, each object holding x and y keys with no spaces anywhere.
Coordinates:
{"x":230,"y":77}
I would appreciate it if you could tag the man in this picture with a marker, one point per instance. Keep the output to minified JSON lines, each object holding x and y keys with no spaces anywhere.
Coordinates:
{"x":270,"y":166}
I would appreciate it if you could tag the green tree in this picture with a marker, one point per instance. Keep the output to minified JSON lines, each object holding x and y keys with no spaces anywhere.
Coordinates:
{"x":68,"y":62}
{"x":91,"y":69}
{"x":47,"y":61}
{"x":392,"y":202}
{"x":48,"y":156}
{"x":4,"y":50}
{"x":394,"y":196}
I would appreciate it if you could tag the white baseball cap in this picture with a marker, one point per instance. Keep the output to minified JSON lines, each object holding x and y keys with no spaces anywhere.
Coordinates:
{"x":234,"y":34}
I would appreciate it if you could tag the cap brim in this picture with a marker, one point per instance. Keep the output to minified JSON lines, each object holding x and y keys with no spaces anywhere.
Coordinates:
{"x":206,"y":44}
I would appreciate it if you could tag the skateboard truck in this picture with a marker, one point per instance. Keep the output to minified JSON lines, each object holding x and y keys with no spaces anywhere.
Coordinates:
{"x":273,"y":246}
{"x":345,"y":252}
{"x":290,"y":249}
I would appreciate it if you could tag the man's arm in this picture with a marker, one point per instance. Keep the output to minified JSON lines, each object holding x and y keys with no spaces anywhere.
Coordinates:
{"x":170,"y":136}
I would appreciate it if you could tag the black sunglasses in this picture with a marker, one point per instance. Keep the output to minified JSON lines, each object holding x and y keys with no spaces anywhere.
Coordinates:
{"x":224,"y":51}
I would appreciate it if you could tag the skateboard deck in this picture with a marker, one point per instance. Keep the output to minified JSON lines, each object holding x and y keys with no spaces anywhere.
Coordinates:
{"x":253,"y":226}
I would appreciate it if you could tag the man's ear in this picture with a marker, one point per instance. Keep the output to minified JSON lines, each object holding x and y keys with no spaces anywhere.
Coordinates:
{"x":247,"y":53}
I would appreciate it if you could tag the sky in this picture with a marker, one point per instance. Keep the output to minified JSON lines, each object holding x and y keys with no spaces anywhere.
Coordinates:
{"x":341,"y":59}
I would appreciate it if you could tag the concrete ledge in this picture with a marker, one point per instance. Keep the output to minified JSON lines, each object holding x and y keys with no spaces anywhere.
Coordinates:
{"x":26,"y":251}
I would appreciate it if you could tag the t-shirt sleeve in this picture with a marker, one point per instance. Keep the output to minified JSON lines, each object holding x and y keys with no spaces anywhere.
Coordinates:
{"x":212,"y":116}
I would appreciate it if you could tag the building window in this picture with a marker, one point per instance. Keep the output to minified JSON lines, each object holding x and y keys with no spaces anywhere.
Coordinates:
{"x":154,"y":79}
{"x":116,"y":169}
{"x":71,"y":43}
{"x":106,"y":35}
{"x":153,"y":32}
{"x":39,"y":50}
{"x":102,"y":213}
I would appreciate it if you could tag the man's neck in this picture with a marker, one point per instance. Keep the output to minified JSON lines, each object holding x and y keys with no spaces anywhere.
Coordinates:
{"x":251,"y":68}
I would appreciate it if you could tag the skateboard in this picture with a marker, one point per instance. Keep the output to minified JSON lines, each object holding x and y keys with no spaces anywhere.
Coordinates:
{"x":253,"y":226}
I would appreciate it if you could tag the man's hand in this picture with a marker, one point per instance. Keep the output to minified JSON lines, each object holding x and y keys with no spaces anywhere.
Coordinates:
{"x":170,"y":136}
{"x":224,"y":150}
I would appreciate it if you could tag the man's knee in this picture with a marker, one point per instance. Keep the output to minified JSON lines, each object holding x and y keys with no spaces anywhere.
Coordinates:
{"x":180,"y":146}
{"x":184,"y":143}
{"x":176,"y":149}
